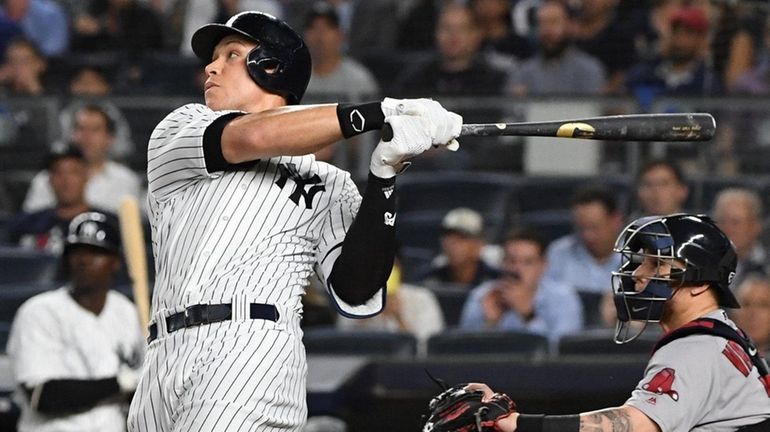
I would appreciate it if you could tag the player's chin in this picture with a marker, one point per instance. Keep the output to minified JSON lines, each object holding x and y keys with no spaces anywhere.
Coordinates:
{"x":212,"y":101}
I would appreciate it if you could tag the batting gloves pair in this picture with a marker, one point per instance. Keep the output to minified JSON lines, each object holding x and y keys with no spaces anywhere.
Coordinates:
{"x":417,"y":125}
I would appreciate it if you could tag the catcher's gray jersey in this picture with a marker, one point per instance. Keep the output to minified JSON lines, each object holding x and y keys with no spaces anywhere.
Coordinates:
{"x":255,"y":235}
{"x":702,"y":383}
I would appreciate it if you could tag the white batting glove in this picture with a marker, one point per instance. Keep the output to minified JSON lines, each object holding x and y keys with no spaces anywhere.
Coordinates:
{"x":128,"y":378}
{"x":444,"y":125}
{"x":410,"y":137}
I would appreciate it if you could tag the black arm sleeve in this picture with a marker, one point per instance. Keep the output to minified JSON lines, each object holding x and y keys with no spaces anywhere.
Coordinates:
{"x":367,"y":253}
{"x":72,"y":395}
{"x":212,"y":146}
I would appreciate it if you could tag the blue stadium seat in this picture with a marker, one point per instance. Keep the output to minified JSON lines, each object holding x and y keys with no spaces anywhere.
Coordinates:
{"x":19,"y":265}
{"x":487,"y":193}
{"x":331,"y":341}
{"x":451,"y":299}
{"x":551,"y":224}
{"x":421,"y":229}
{"x":538,"y":193}
{"x":462,"y":342}
{"x":599,"y":342}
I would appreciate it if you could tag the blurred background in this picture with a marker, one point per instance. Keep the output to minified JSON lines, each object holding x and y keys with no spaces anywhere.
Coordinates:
{"x":505,"y":246}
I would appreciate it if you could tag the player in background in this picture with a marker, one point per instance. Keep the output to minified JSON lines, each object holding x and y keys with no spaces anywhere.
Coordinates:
{"x":704,"y":374}
{"x":75,"y":351}
{"x":242,"y":215}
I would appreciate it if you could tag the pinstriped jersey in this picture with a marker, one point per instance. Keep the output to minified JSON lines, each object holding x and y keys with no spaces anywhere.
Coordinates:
{"x":257,"y":233}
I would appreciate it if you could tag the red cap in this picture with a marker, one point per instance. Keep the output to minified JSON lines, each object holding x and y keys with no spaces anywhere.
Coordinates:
{"x":691,"y":17}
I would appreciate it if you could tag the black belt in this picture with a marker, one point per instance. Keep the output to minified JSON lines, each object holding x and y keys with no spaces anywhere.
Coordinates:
{"x":211,"y":313}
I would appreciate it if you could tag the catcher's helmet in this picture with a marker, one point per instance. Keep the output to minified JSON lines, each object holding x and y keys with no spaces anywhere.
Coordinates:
{"x":93,"y":229}
{"x":703,"y":251}
{"x":280,"y":62}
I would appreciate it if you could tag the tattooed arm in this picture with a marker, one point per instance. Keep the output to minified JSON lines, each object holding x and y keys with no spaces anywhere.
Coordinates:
{"x":621,"y":419}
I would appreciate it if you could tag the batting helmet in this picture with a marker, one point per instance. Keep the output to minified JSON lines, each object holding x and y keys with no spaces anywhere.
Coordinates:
{"x":280,"y":62}
{"x":703,"y":252}
{"x":93,"y":229}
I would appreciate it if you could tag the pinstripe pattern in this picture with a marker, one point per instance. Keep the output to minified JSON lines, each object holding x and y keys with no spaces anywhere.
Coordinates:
{"x":234,"y":237}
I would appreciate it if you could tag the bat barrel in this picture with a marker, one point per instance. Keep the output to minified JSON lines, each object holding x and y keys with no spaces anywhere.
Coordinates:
{"x":634,"y":127}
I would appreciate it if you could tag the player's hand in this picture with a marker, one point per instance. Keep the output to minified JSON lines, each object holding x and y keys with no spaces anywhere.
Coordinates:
{"x":444,"y":126}
{"x":410,"y":138}
{"x":128,"y":379}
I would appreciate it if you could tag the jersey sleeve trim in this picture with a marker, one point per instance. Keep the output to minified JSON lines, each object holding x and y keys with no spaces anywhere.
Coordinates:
{"x":212,"y":146}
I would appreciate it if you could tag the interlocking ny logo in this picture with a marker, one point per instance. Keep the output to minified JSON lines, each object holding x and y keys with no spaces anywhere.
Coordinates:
{"x":289,"y":171}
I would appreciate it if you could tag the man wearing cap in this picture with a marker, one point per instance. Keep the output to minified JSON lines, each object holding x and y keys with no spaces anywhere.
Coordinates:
{"x":681,"y":69}
{"x":44,"y":229}
{"x":243,"y":216}
{"x":75,"y":351}
{"x":462,"y":260}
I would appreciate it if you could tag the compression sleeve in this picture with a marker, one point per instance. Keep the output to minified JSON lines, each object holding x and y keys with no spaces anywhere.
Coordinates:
{"x":71,"y":395}
{"x":369,"y":247}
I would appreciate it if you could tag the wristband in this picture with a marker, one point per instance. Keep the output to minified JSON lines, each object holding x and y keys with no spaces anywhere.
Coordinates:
{"x":544,"y":423}
{"x":356,"y":119}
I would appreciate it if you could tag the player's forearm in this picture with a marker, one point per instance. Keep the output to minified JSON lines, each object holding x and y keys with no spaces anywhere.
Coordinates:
{"x":367,"y":253}
{"x":621,"y":419}
{"x":285,"y":131}
{"x":71,"y":395}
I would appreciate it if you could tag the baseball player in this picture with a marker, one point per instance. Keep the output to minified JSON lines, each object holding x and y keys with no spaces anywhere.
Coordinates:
{"x":75,"y":351}
{"x":242,"y":215}
{"x":704,"y":374}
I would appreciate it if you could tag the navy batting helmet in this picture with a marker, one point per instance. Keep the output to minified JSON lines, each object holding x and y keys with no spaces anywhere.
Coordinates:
{"x":280,"y":62}
{"x":701,"y":251}
{"x":93,"y":229}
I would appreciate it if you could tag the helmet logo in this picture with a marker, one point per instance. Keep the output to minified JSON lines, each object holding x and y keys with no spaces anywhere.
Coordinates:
{"x":662,"y":384}
{"x":730,"y":277}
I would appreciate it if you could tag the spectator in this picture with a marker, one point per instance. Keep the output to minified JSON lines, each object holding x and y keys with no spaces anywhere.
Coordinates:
{"x":521,"y":299}
{"x":409,"y":308}
{"x":756,"y":80}
{"x":23,"y":73}
{"x":558,"y":67}
{"x":458,"y":68}
{"x":75,"y":351}
{"x":130,"y":27}
{"x":681,"y":68}
{"x":43,"y":21}
{"x":738,"y":212}
{"x":754,"y":315}
{"x":9,"y":31}
{"x":90,"y":82}
{"x":45,"y":229}
{"x":582,"y":260}
{"x":497,"y":35}
{"x":661,"y":189}
{"x":108,"y":181}
{"x":462,"y":245}
{"x":334,"y":74}
{"x":599,"y":31}
{"x":122,"y":147}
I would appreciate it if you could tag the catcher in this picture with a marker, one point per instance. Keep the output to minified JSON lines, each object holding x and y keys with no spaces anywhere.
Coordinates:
{"x":704,"y":374}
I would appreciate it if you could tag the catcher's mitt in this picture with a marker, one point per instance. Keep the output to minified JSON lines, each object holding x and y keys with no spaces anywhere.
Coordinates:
{"x":458,"y":410}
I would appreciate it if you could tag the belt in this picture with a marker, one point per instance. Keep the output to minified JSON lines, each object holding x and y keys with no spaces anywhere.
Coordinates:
{"x":211,"y":313}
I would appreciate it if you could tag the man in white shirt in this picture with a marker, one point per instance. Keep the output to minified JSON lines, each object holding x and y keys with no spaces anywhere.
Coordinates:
{"x":93,"y":132}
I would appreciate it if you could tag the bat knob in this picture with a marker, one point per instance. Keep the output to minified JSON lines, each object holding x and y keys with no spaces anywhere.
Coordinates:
{"x":387,"y":132}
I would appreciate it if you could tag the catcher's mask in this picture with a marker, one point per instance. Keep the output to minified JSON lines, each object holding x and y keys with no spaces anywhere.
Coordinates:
{"x":280,"y":63}
{"x":672,"y":251}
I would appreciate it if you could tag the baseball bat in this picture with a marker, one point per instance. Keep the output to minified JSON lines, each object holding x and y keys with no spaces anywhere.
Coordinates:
{"x":632,"y":127}
{"x":136,"y":260}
